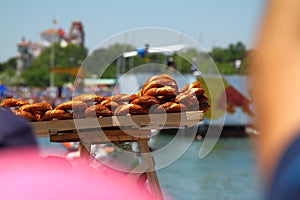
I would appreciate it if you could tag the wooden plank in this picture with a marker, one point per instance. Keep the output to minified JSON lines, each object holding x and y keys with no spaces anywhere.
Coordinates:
{"x":103,"y":136}
{"x":152,"y":121}
{"x":68,"y":137}
{"x":42,"y":128}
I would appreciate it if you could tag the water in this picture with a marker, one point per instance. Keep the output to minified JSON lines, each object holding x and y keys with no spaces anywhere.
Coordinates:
{"x":228,"y":172}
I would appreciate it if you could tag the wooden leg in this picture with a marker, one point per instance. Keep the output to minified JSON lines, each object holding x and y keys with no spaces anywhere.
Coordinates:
{"x":151,"y":174}
{"x":85,"y":149}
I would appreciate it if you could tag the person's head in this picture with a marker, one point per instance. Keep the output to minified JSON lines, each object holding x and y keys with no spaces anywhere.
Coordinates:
{"x":14,"y":131}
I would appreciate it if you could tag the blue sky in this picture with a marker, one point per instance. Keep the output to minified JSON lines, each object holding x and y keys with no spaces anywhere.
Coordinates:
{"x":210,"y":22}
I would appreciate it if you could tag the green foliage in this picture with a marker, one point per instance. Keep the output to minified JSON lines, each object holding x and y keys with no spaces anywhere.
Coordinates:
{"x":10,"y":63}
{"x":226,"y":68}
{"x":9,"y":66}
{"x":233,"y":52}
{"x":8,"y":72}
{"x":38,"y":72}
{"x":103,"y":62}
{"x":225,"y":58}
{"x":11,"y":79}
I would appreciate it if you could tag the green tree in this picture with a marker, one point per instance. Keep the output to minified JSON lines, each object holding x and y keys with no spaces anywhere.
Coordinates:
{"x":38,"y":72}
{"x":229,"y":54}
{"x":103,"y":61}
{"x":9,"y":66}
{"x":8,"y":72}
{"x":225,"y":57}
{"x":237,"y":51}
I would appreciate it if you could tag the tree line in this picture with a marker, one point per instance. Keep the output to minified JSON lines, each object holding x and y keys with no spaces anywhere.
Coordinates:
{"x":103,"y":62}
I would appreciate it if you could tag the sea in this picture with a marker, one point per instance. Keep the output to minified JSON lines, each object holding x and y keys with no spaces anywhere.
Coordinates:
{"x":228,"y":172}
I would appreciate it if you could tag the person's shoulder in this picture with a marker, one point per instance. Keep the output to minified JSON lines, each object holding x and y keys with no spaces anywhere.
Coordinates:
{"x":15,"y":131}
{"x":285,"y":183}
{"x":7,"y":116}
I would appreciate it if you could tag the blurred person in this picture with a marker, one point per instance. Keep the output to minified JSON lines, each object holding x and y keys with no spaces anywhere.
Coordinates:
{"x":276,"y":71}
{"x":26,"y":175}
{"x":4,"y":91}
{"x":193,"y":69}
{"x":16,"y":134}
{"x":170,"y":63}
{"x":14,"y":131}
{"x":237,"y":65}
{"x":194,"y":65}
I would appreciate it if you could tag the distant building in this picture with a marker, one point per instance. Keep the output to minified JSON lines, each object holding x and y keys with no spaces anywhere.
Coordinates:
{"x":24,"y":55}
{"x":29,"y":50}
{"x":76,"y":34}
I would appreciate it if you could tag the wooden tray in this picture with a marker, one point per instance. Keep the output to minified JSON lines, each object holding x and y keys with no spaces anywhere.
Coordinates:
{"x":152,"y":121}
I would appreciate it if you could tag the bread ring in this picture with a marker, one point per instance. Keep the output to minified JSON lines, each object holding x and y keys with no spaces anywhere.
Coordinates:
{"x":52,"y":114}
{"x":195,"y":84}
{"x":42,"y":106}
{"x":165,"y":77}
{"x":72,"y":105}
{"x":171,"y":107}
{"x":107,"y":100}
{"x":88,"y":98}
{"x":11,"y":102}
{"x":120,"y":98}
{"x":201,"y":106}
{"x":38,"y":114}
{"x":186,"y":99}
{"x":25,"y":114}
{"x":184,"y":88}
{"x":197,"y":91}
{"x":165,"y":99}
{"x":133,"y":97}
{"x":158,"y":84}
{"x":160,"y":76}
{"x":187,"y":87}
{"x":145,"y":101}
{"x":130,"y":109}
{"x":139,"y":93}
{"x":204,"y":106}
{"x":122,"y":109}
{"x":165,"y":91}
{"x":111,"y":105}
{"x":98,"y":110}
{"x":65,"y":116}
{"x":202,"y":98}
